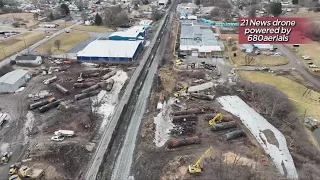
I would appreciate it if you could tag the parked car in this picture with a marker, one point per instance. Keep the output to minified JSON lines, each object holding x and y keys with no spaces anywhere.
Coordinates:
{"x":313,"y":66}
{"x":57,"y":138}
{"x":306,"y":58}
{"x":310,"y":63}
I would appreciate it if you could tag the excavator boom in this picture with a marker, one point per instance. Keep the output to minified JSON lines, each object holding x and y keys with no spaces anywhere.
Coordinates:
{"x":213,"y":120}
{"x":196,"y":168}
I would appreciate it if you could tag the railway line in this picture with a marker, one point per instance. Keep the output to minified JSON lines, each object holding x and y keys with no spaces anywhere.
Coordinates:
{"x":126,"y":117}
{"x":103,"y":162}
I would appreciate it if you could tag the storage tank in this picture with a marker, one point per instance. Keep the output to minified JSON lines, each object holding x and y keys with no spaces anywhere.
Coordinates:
{"x":109,"y":75}
{"x":62,"y":89}
{"x":174,"y":143}
{"x":184,"y":118}
{"x":40,"y":103}
{"x":234,"y":134}
{"x":86,"y":95}
{"x":223,"y":126}
{"x":49,"y":106}
{"x":83,"y":85}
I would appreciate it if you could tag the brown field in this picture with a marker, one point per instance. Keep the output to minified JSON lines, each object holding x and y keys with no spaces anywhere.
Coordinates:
{"x":17,"y":43}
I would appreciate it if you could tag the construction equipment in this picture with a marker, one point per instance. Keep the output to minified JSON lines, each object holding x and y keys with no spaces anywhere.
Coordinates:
{"x":80,"y":79}
{"x":196,"y":168}
{"x":32,"y":173}
{"x":14,"y":177}
{"x":179,"y":62}
{"x":5,"y":157}
{"x":213,"y":120}
{"x":316,"y":70}
{"x":185,"y":88}
{"x":13,"y":169}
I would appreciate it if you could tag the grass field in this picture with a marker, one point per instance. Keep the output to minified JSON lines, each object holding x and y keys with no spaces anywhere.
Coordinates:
{"x":144,"y":7}
{"x":68,"y":41}
{"x":310,"y":50}
{"x":27,"y":17}
{"x":92,"y":28}
{"x":16,"y":43}
{"x":260,"y":60}
{"x":306,"y":106}
{"x":293,"y":89}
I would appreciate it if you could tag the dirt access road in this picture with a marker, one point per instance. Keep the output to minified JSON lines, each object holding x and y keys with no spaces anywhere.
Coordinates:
{"x":14,"y":134}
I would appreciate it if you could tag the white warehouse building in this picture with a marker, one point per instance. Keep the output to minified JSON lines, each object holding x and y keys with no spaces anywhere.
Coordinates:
{"x":13,"y":80}
{"x":198,"y":39}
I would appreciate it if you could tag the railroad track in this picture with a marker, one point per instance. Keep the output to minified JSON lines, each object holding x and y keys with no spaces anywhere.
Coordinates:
{"x":115,"y":138}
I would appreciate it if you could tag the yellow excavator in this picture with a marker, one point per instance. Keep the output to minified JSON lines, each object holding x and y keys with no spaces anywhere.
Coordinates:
{"x":179,"y":62}
{"x":196,"y":168}
{"x":213,"y":120}
{"x":177,"y":94}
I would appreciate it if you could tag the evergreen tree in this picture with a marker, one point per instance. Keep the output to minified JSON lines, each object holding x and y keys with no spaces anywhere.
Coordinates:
{"x":98,"y":20}
{"x":275,"y":8}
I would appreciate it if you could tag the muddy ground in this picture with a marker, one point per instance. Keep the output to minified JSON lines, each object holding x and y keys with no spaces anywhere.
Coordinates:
{"x":244,"y":159}
{"x":60,"y":160}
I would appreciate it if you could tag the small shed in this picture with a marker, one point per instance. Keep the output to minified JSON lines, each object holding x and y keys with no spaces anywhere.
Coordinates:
{"x":13,"y":80}
{"x":29,"y":60}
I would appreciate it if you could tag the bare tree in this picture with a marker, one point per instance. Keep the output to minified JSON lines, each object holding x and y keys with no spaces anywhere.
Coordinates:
{"x":57,"y":43}
{"x":249,"y":59}
{"x":115,"y":16}
{"x":156,"y":15}
{"x":49,"y":51}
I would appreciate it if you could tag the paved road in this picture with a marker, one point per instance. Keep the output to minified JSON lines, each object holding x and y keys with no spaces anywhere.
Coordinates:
{"x":294,"y":64}
{"x":97,"y":159}
{"x":83,"y":44}
{"x":13,"y":135}
{"x":31,"y":48}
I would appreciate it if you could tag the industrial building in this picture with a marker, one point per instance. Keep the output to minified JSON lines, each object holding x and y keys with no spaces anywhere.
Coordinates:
{"x":13,"y":80}
{"x":132,"y":34}
{"x":198,"y":39}
{"x":162,"y":2}
{"x":29,"y":60}
{"x":187,"y":8}
{"x":111,"y":50}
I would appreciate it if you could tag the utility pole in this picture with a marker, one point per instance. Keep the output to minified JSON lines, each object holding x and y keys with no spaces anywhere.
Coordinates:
{"x":4,"y":52}
{"x":25,"y":44}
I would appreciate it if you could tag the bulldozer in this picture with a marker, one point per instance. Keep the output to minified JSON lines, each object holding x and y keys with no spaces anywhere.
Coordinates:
{"x":196,"y":168}
{"x":316,"y":70}
{"x":177,"y":94}
{"x":217,"y":117}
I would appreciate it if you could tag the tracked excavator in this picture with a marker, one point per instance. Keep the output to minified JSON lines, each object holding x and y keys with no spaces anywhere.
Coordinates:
{"x":217,"y":117}
{"x":179,"y":93}
{"x":196,"y":168}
